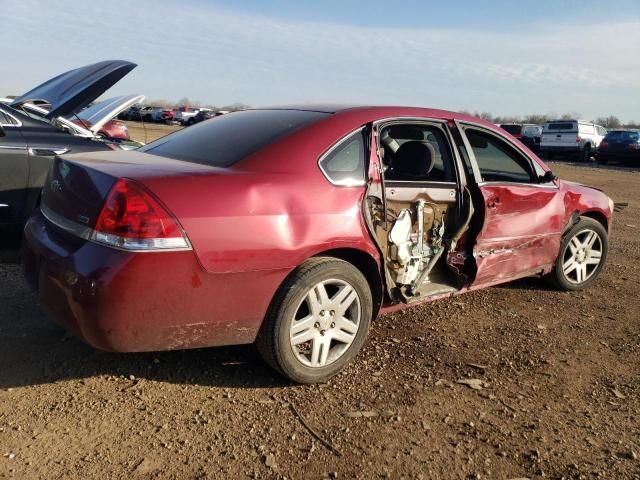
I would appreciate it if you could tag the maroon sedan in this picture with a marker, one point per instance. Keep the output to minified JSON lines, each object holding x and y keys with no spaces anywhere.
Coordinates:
{"x":295,"y":227}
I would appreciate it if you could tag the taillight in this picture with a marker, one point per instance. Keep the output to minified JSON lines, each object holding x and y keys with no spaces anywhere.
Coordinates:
{"x":133,"y":219}
{"x":578,"y":138}
{"x":604,"y":144}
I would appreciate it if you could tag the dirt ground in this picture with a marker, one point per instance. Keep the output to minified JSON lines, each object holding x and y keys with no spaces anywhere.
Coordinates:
{"x":559,"y":396}
{"x":148,"y":132}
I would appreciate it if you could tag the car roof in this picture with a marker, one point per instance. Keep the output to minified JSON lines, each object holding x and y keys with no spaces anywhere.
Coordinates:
{"x":375,"y":112}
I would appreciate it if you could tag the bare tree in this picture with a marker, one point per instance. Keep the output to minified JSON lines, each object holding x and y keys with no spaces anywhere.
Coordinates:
{"x":609,"y":122}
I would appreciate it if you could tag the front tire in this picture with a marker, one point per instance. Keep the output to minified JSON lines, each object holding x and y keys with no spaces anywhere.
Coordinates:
{"x":583,"y":252}
{"x":318,"y":320}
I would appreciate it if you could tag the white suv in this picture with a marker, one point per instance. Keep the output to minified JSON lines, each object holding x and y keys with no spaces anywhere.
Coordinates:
{"x":571,"y":137}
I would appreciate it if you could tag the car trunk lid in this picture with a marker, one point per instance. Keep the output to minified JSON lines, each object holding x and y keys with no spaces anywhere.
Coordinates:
{"x":71,"y":91}
{"x":77,"y":186}
{"x":96,"y":116}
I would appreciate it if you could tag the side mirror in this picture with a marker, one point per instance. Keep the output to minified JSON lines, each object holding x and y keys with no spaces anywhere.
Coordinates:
{"x":548,"y":177}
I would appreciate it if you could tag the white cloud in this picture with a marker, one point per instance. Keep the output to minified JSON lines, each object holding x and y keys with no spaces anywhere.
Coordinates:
{"x":220,"y":56}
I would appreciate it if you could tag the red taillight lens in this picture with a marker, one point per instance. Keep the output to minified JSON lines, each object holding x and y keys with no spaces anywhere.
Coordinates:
{"x":578,"y":138}
{"x":132,"y":219}
{"x":604,"y":144}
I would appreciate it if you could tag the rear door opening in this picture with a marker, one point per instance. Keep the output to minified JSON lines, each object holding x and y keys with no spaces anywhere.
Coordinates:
{"x":417,"y":210}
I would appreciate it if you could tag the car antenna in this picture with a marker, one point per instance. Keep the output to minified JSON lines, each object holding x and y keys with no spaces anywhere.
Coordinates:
{"x":81,"y":121}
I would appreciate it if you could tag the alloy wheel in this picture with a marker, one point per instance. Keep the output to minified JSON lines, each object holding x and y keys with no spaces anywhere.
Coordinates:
{"x":326,"y":323}
{"x":582,"y":256}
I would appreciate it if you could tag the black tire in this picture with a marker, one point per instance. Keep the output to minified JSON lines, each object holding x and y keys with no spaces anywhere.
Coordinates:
{"x":274,"y":342}
{"x":557,"y":276}
{"x":586,"y":153}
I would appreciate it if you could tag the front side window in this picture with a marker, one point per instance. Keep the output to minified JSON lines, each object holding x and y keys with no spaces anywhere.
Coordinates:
{"x":344,"y":164}
{"x":497,"y":160}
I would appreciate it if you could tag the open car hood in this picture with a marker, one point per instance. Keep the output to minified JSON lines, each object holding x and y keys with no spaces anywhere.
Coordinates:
{"x":97,"y":115}
{"x":69,"y":92}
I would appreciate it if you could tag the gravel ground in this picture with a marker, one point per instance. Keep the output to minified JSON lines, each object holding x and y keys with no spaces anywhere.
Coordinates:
{"x":557,"y":395}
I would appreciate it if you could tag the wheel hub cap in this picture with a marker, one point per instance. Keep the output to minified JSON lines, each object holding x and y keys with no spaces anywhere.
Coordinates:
{"x":325,"y":323}
{"x":582,"y":256}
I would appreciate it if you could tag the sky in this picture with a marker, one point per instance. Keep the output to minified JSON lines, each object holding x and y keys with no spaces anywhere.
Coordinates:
{"x":503,"y":57}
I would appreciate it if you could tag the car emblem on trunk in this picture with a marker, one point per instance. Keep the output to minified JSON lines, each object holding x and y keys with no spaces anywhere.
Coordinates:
{"x":56,"y":186}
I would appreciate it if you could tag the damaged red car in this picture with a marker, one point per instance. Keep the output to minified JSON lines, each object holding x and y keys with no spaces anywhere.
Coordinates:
{"x":295,"y":227}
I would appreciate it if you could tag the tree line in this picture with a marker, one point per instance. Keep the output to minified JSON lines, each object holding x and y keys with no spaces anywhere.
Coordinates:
{"x":610,"y":121}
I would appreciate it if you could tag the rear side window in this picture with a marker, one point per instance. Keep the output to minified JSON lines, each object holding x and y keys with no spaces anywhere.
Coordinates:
{"x":512,"y":129}
{"x":561,"y":126}
{"x":531,"y":131}
{"x":6,"y":120}
{"x":622,"y":136}
{"x":229,"y":138}
{"x":344,"y":164}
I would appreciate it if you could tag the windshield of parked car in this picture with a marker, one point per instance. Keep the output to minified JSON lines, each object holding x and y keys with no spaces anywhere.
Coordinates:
{"x":512,"y":128}
{"x":623,"y":136}
{"x":226,"y":139}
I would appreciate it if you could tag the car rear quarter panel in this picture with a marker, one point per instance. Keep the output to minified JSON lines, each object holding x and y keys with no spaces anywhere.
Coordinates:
{"x":258,"y":222}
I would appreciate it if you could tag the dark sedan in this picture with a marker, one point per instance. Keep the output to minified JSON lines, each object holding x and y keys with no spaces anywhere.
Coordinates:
{"x":29,"y":139}
{"x":620,"y":145}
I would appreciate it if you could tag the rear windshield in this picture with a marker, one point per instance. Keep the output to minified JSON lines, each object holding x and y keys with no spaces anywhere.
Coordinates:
{"x":224,"y":140}
{"x":561,"y":126}
{"x":621,"y":136}
{"x":531,"y":131}
{"x":512,"y":129}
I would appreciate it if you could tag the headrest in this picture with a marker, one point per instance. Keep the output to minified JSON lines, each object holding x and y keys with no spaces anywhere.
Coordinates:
{"x":414,"y":160}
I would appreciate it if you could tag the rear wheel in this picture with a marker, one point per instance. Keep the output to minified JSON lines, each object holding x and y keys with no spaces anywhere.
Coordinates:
{"x":586,"y":153}
{"x":583,"y":252}
{"x":318,"y":321}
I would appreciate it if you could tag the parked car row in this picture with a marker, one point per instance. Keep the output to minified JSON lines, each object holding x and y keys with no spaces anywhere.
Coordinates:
{"x":578,"y":139}
{"x":183,"y":115}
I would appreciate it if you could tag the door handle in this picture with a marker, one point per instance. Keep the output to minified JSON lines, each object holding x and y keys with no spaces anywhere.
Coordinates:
{"x":47,"y":151}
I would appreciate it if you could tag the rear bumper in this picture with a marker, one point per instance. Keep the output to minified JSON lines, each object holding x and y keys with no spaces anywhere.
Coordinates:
{"x":130,"y":302}
{"x":631,"y":156}
{"x":561,"y":150}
